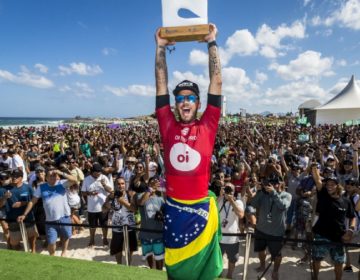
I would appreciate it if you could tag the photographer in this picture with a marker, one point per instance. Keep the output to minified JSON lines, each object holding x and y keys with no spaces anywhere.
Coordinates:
{"x":119,"y":202}
{"x":231,"y":210}
{"x":150,"y":204}
{"x":272,"y":203}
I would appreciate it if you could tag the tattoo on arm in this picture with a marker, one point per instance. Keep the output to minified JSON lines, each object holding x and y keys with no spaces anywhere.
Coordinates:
{"x":161,"y":72}
{"x":214,"y":71}
{"x":214,"y":62}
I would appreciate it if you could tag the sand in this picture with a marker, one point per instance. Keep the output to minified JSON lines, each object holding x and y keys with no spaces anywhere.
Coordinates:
{"x":289,"y":270}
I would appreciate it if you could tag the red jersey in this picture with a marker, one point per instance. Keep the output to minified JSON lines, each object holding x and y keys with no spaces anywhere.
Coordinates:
{"x":187,"y":152}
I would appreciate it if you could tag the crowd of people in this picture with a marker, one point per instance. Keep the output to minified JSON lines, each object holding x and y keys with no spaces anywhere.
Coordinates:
{"x":266,"y":178}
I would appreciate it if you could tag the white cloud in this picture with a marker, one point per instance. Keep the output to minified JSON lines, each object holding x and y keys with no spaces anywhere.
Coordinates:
{"x":267,"y":42}
{"x":260,"y":77}
{"x":25,"y":77}
{"x":348,"y":16}
{"x":80,"y":69}
{"x":241,"y":42}
{"x":65,"y":88}
{"x":198,"y":57}
{"x":293,"y":94}
{"x":306,"y":2}
{"x":270,"y":39}
{"x":79,"y":89}
{"x":141,"y":90}
{"x":341,"y":62}
{"x":307,"y":64}
{"x":41,"y":67}
{"x":109,"y":51}
{"x":83,"y":90}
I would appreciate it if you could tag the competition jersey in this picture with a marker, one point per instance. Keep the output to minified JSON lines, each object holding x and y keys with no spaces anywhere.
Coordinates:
{"x":188,"y":150}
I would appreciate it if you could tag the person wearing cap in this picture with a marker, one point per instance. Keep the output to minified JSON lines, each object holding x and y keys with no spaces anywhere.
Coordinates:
{"x":272,"y":203}
{"x":96,"y":187}
{"x":16,"y":200}
{"x":188,"y":146}
{"x":333,"y":209}
{"x":350,"y":167}
{"x":56,"y":206}
{"x":5,"y":159}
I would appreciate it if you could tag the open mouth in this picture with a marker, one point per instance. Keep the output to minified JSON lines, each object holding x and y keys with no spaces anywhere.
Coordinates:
{"x":186,"y":111}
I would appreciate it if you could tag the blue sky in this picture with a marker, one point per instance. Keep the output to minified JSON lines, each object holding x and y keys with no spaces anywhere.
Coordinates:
{"x":62,"y":58}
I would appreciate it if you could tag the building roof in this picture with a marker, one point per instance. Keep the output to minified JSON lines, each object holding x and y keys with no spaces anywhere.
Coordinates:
{"x":348,"y":98}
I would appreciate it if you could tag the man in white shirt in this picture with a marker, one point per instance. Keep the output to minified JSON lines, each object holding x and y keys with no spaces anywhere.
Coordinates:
{"x":231,"y":210}
{"x":96,"y":187}
{"x":5,"y":159}
{"x":18,"y":163}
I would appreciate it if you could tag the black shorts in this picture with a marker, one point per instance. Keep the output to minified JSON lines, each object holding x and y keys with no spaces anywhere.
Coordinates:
{"x":231,"y":250}
{"x":263,"y":241}
{"x":117,"y":242}
{"x":97,"y":219}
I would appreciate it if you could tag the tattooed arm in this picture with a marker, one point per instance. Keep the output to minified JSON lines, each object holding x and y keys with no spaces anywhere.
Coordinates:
{"x":161,"y":72}
{"x":214,"y":62}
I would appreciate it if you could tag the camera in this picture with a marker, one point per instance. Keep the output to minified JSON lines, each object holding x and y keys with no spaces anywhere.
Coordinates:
{"x":159,"y":216}
{"x":118,"y":193}
{"x":224,"y":223}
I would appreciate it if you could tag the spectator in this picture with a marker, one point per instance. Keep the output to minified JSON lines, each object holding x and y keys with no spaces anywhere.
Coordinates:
{"x":16,"y":197}
{"x":96,"y":188}
{"x":150,"y":204}
{"x":333,"y":209}
{"x":56,"y":206}
{"x":272,"y":202}
{"x":231,"y":210}
{"x":119,"y":202}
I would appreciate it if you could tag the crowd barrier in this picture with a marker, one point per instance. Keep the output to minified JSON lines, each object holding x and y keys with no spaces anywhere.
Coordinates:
{"x":248,"y":237}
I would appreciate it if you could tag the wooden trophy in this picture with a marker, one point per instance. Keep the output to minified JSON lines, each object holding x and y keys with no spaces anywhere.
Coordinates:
{"x":179,"y":29}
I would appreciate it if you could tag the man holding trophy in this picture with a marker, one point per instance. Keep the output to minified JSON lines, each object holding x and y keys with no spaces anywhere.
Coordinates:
{"x":191,"y":223}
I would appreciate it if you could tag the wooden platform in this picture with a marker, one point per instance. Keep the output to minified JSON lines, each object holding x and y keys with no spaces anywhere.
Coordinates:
{"x":185,"y":33}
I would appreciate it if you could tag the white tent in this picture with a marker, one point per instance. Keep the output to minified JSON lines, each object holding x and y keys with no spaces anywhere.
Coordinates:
{"x":342,"y":108}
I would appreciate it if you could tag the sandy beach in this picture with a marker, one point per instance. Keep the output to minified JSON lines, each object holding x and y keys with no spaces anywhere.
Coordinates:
{"x":289,"y":269}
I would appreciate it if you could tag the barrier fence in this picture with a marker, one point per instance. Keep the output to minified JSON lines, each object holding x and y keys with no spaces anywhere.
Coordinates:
{"x":248,"y":236}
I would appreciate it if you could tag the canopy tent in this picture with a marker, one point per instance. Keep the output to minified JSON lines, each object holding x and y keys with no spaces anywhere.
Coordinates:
{"x":309,"y":104}
{"x":343,"y":107}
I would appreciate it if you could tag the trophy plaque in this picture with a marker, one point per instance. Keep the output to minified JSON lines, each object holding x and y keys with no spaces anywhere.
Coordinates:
{"x":180,"y":29}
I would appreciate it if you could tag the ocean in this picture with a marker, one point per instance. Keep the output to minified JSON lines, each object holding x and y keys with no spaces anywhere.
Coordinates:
{"x":7,"y":122}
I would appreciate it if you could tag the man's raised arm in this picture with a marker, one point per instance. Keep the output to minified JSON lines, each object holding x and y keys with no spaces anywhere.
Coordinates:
{"x":161,"y":72}
{"x":214,"y":62}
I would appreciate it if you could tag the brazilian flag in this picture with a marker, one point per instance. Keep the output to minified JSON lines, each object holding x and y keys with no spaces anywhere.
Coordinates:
{"x":192,"y":234}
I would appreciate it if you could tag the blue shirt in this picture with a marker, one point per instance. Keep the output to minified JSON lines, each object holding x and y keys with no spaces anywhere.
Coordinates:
{"x":18,"y":194}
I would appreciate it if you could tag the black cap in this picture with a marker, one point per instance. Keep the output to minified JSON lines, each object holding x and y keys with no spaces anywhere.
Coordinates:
{"x":332,"y":178}
{"x":155,"y":177}
{"x":96,"y":167}
{"x":352,"y":181}
{"x":17,"y":173}
{"x":186,"y":84}
{"x":328,"y":170}
{"x":4,"y":175}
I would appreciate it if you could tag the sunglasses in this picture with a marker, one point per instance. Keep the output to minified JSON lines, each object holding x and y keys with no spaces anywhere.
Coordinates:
{"x":189,"y":98}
